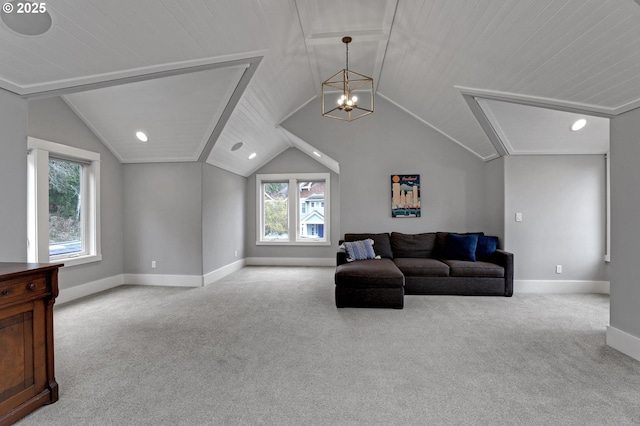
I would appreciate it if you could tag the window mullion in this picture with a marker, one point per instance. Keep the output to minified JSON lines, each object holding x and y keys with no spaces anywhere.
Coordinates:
{"x":294,"y":212}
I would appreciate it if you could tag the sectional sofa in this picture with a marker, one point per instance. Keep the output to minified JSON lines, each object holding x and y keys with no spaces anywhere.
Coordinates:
{"x":432,"y":263}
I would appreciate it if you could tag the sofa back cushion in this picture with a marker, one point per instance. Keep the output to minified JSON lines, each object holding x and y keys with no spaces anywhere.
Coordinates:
{"x":413,"y":245}
{"x":381,"y":243}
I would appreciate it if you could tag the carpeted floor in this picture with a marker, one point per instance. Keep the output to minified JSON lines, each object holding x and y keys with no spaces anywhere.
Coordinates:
{"x":267,"y":345}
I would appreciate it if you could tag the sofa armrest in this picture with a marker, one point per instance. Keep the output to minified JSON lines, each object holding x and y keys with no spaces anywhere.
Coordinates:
{"x":341,"y":257}
{"x":505,"y":259}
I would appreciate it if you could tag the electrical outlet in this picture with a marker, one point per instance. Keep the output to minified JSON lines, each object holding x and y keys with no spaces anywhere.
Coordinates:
{"x":153,"y":264}
{"x":558,"y":269}
{"x":235,"y":253}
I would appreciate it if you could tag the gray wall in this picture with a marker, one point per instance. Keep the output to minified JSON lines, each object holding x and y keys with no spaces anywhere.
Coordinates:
{"x":494,"y":198}
{"x":13,"y":178}
{"x":625,"y":222}
{"x":292,"y":161}
{"x":224,"y":197}
{"x":163,"y":218}
{"x":563,"y":200}
{"x":390,"y":141}
{"x":51,"y":119}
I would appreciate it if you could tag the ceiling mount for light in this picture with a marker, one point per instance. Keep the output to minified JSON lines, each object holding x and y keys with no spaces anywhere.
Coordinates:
{"x":339,"y":98}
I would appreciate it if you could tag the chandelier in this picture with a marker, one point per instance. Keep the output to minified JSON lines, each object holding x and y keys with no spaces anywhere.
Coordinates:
{"x":340,"y":92}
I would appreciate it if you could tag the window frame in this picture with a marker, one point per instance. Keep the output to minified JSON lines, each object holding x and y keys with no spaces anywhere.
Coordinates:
{"x":294,"y":206}
{"x":40,"y":151}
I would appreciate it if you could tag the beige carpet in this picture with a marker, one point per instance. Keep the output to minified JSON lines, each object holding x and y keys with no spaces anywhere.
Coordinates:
{"x":267,"y":346}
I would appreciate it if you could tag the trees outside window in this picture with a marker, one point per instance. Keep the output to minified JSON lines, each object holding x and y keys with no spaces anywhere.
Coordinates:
{"x":63,"y":203}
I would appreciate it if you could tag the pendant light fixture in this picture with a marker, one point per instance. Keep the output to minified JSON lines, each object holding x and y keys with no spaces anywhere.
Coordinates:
{"x":347,"y":95}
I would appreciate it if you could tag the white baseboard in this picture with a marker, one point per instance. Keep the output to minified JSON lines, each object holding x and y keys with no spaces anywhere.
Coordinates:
{"x":164,"y":280}
{"x":291,"y":261}
{"x":220,"y":273}
{"x":72,"y":293}
{"x":623,"y":342}
{"x":560,"y":286}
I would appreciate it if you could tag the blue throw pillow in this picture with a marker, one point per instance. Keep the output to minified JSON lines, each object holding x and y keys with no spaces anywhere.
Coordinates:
{"x":486,"y":246}
{"x":360,"y":250}
{"x":460,"y":247}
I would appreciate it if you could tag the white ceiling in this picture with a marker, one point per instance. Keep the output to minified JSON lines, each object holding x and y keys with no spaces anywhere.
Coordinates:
{"x":529,"y":130}
{"x":256,"y":62}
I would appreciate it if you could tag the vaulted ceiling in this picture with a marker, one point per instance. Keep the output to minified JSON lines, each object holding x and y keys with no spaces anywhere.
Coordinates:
{"x":202,"y":76}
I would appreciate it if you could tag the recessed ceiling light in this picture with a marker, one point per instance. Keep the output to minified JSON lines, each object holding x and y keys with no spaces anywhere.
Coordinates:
{"x":579,"y":124}
{"x":252,"y":156}
{"x":317,"y":154}
{"x":237,"y":146}
{"x":142,"y":136}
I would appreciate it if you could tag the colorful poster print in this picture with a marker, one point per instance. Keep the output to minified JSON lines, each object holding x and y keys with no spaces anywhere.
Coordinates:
{"x":405,"y":195}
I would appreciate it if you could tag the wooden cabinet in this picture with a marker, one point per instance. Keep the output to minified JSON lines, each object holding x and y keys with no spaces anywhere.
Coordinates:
{"x":27,"y":380}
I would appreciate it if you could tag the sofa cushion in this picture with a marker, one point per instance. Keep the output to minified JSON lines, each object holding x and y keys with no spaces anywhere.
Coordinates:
{"x":370,"y":273}
{"x":460,"y":247}
{"x":416,"y":267}
{"x":381,"y":243}
{"x":359,"y":250}
{"x":412,"y":245}
{"x":464,"y":268}
{"x":487,"y":245}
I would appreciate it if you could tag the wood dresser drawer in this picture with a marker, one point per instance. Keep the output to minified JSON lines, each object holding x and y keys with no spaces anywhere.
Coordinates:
{"x":27,"y":376}
{"x":23,"y":288}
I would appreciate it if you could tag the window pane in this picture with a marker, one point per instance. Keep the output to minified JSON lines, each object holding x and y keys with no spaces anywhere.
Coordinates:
{"x":276,"y":210}
{"x":311,"y":196}
{"x":65,"y":219}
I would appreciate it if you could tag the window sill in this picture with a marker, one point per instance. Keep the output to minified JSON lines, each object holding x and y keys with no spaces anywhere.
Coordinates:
{"x":75,"y":261}
{"x":293,"y":243}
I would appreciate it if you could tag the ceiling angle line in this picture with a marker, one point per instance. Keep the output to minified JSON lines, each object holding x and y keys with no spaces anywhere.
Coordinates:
{"x":247,"y":75}
{"x":117,"y":81}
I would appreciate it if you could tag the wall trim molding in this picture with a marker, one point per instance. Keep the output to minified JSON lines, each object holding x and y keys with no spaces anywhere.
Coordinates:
{"x":291,"y":261}
{"x":560,"y":286}
{"x":220,"y":273}
{"x":87,"y":289}
{"x":164,"y":280}
{"x":623,"y":342}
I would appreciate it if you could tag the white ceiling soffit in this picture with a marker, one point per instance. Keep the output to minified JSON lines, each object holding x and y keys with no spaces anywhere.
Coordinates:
{"x":325,"y":22}
{"x":530,"y":130}
{"x":312,"y":152}
{"x":178,"y":113}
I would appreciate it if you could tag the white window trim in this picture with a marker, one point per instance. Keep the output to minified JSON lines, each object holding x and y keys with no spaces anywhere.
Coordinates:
{"x":294,"y":208}
{"x":607,"y":165}
{"x":38,"y":202}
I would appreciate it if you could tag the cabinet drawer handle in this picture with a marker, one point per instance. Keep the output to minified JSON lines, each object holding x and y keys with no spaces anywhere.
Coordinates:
{"x":32,"y":286}
{"x":5,"y":292}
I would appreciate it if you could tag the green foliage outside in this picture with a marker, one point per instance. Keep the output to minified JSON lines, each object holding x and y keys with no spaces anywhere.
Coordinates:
{"x":276,"y":216}
{"x":64,"y":201}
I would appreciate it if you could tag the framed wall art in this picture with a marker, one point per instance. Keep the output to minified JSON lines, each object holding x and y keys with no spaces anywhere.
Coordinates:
{"x":405,"y":195}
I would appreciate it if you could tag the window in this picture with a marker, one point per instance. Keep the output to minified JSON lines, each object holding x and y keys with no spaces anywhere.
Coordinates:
{"x":63,"y":201}
{"x":291,"y":209}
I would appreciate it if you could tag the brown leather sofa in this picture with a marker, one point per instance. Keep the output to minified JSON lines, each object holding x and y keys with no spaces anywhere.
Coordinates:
{"x":418,"y":264}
